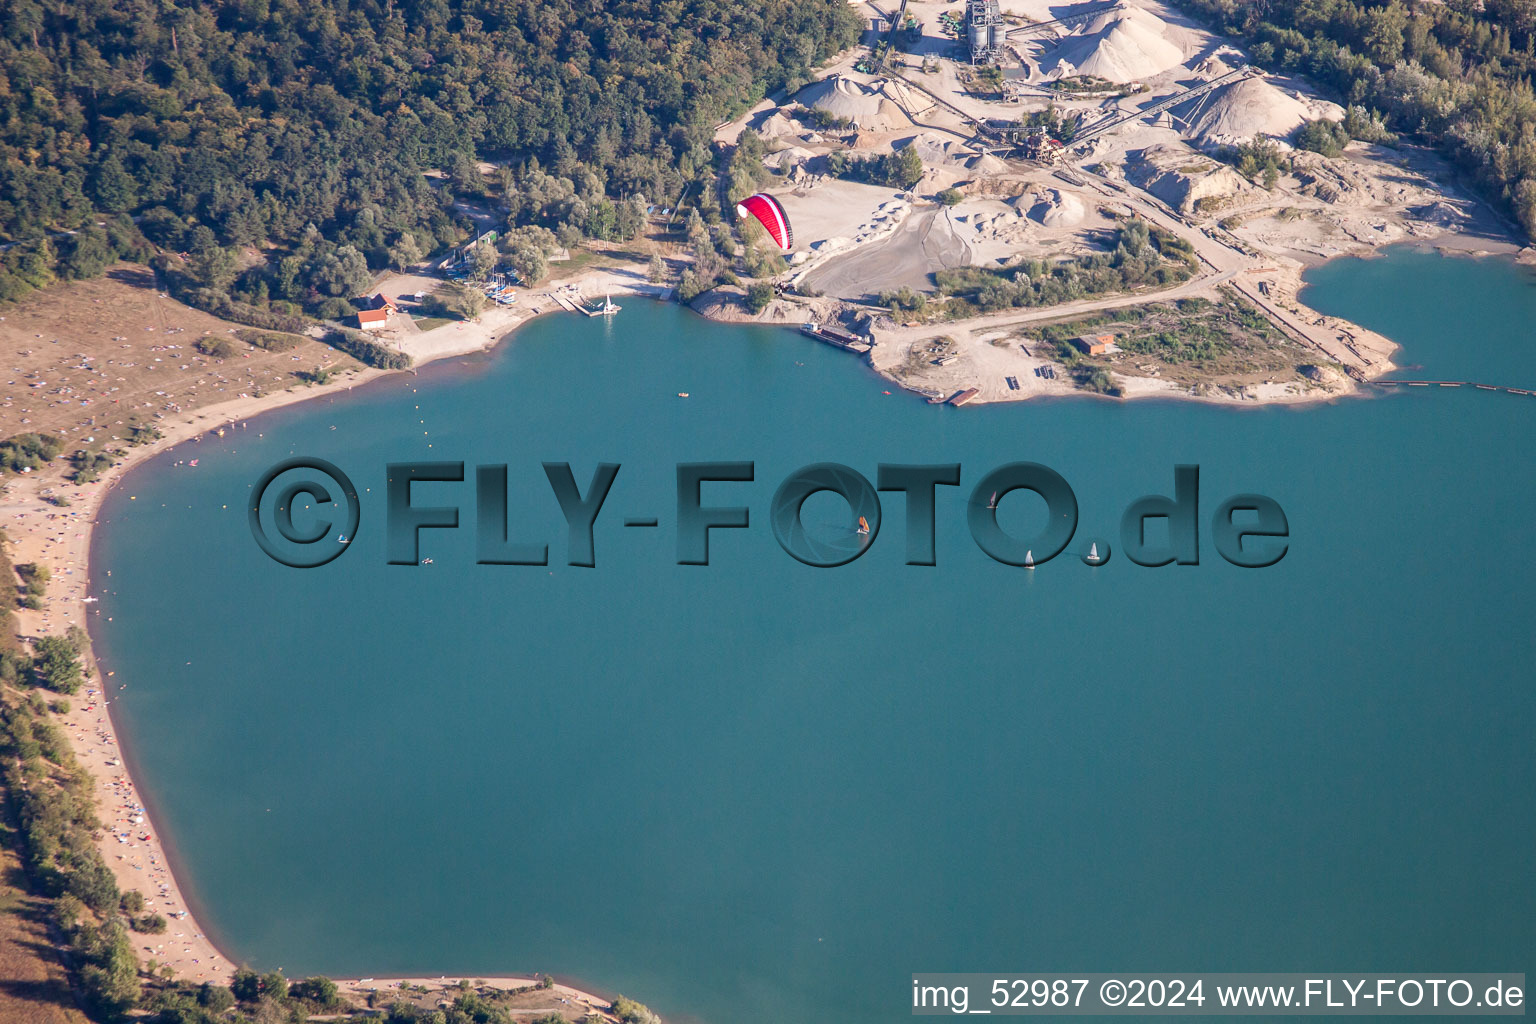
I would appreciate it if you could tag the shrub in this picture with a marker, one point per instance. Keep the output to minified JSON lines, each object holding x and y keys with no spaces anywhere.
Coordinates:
{"x":320,"y":991}
{"x":216,"y":347}
{"x":366,"y":351}
{"x":759,"y":295}
{"x":216,"y":998}
{"x":690,"y":286}
{"x":631,"y":1012}
{"x":29,"y":451}
{"x":1321,"y":136}
{"x":274,"y":984}
{"x":951,"y":197}
{"x":1096,"y":380}
{"x":901,"y":169}
{"x":90,"y":465}
{"x":269,"y":341}
{"x":904,"y":298}
{"x":246,"y":985}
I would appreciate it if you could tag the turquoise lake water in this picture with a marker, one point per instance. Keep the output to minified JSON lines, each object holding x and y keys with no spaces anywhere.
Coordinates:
{"x":758,"y":792}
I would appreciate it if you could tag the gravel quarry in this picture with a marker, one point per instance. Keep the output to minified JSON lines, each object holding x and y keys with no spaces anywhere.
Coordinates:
{"x":1144,"y":68}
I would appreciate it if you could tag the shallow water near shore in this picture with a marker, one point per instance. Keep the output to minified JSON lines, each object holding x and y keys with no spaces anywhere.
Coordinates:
{"x":758,"y":791}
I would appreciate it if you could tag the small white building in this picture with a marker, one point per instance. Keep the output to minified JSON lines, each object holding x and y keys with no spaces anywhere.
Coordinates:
{"x":372,"y":319}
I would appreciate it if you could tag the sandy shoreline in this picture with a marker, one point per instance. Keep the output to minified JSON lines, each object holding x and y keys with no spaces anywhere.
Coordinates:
{"x":61,"y":537}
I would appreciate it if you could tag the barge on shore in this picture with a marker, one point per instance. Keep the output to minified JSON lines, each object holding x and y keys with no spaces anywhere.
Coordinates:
{"x":834,"y":335}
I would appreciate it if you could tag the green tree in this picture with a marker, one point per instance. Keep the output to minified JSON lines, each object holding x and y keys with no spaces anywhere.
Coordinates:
{"x":343,"y":273}
{"x":907,"y":170}
{"x":55,"y":665}
{"x":273,"y":984}
{"x":461,"y":300}
{"x":631,"y":1012}
{"x":1322,"y":136}
{"x":215,"y":998}
{"x":759,"y":295}
{"x":113,"y":188}
{"x":1384,"y":32}
{"x":111,"y":982}
{"x":318,"y":990}
{"x":86,"y":254}
{"x":246,"y":985}
{"x":406,"y":252}
{"x":212,"y":266}
{"x":484,"y":259}
{"x":528,"y":260}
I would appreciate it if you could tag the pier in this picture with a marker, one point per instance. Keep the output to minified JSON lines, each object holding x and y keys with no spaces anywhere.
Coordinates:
{"x":570,"y":305}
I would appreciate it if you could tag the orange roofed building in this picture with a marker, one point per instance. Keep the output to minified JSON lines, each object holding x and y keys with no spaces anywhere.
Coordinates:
{"x":1094,"y":344}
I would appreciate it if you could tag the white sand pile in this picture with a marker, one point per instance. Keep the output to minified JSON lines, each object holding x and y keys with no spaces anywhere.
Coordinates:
{"x":777,"y":125}
{"x":914,"y":102}
{"x":934,"y":151}
{"x":1181,"y":177}
{"x":993,"y":231}
{"x":1059,"y":210}
{"x":1125,"y":45}
{"x":988,"y":164}
{"x":784,"y":159}
{"x":841,"y":97}
{"x":1251,"y":107}
{"x":1221,"y":61}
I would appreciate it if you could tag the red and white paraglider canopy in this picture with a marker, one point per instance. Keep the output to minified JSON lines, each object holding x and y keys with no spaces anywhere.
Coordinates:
{"x":771,"y":215}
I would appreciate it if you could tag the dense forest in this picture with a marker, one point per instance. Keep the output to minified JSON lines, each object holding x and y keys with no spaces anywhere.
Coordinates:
{"x":309,"y":126}
{"x":1457,"y":73}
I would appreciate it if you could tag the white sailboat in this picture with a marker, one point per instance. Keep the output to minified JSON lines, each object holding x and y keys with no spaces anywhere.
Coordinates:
{"x":1093,"y":552}
{"x":993,"y":503}
{"x":1029,"y":559}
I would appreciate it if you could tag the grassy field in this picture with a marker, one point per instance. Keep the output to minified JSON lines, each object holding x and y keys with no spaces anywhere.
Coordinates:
{"x":1194,"y":341}
{"x":89,"y":359}
{"x":33,"y":987}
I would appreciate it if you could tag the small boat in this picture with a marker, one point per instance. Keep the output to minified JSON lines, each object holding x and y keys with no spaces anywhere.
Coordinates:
{"x":993,"y":502}
{"x":1093,"y":552}
{"x":682,"y":394}
{"x":863,"y":525}
{"x":426,"y":561}
{"x":1029,"y":559}
{"x":88,"y":600}
{"x":342,"y":539}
